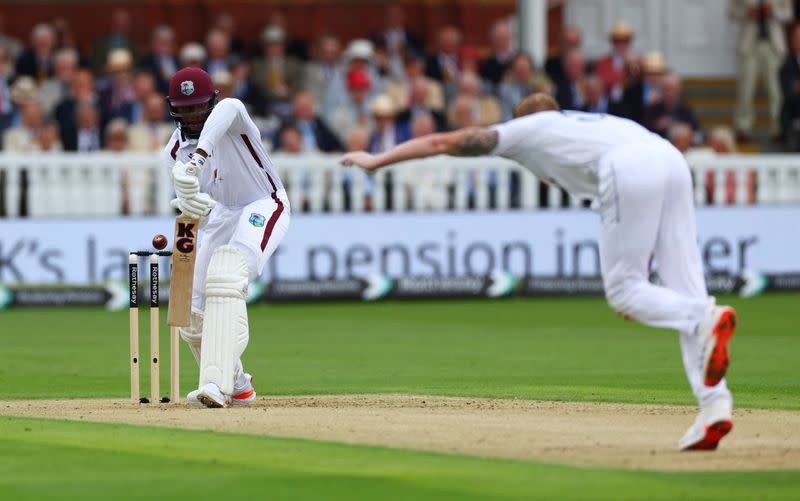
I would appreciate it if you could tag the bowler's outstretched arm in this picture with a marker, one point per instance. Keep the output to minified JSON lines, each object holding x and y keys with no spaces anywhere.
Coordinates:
{"x":469,"y":142}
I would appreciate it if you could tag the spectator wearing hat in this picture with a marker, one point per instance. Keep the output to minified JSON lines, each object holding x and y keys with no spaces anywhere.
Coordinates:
{"x":571,"y":39}
{"x":37,"y":62}
{"x":193,"y":55}
{"x":21,"y":92}
{"x":359,"y":55}
{"x":762,"y":45}
{"x":443,"y":64}
{"x":670,"y":108}
{"x":494,"y":67}
{"x":647,"y":92}
{"x":116,"y":91}
{"x":405,"y":91}
{"x":388,"y":133}
{"x":314,"y":132}
{"x":82,"y":92}
{"x":161,"y":60}
{"x":118,"y":37}
{"x":276,"y":74}
{"x":354,"y":112}
{"x":322,"y":68}
{"x":20,"y":138}
{"x":420,"y":102}
{"x":569,"y":91}
{"x":613,"y":68}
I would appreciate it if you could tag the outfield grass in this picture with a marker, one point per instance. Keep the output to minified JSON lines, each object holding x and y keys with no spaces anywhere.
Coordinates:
{"x":561,"y":349}
{"x":558,"y":349}
{"x":68,"y":460}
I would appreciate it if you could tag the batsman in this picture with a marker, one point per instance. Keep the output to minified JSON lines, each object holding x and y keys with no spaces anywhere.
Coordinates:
{"x":223,"y":178}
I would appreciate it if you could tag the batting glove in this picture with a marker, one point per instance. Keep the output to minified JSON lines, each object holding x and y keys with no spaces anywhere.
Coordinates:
{"x":184,"y":177}
{"x":195,"y":207}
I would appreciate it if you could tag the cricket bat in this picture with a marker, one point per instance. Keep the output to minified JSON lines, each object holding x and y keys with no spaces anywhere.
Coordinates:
{"x":182,"y":278}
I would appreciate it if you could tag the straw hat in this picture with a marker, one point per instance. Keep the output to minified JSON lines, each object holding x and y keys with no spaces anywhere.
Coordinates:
{"x":621,"y":31}
{"x":24,"y":90}
{"x":119,"y":60}
{"x":654,"y":63}
{"x":382,"y":106}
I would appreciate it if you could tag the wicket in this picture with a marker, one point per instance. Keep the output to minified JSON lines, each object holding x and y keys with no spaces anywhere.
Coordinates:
{"x":133,"y":282}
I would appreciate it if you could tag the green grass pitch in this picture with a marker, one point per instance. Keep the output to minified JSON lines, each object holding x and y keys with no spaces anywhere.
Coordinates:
{"x":558,"y":349}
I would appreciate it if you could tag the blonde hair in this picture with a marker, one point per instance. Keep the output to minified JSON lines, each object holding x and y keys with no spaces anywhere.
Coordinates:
{"x":535,"y":103}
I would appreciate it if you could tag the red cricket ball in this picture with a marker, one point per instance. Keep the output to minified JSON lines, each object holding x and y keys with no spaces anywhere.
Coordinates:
{"x":159,"y":242}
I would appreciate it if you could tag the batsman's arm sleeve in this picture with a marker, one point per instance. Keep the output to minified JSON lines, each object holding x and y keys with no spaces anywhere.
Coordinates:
{"x":166,"y":153}
{"x":227,"y":116}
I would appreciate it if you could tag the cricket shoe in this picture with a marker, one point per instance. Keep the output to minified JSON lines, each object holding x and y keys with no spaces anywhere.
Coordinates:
{"x":191,"y":397}
{"x":714,"y":332}
{"x":244,"y":394}
{"x":212,"y":397}
{"x":713,"y":423}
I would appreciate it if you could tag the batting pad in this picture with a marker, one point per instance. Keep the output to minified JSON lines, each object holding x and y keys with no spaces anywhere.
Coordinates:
{"x":225,"y":330}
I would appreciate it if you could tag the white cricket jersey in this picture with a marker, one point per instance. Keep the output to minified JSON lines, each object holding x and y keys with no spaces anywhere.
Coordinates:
{"x":238,"y":170}
{"x":564,"y":147}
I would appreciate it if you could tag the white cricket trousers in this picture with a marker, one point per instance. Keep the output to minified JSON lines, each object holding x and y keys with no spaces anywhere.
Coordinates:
{"x":646,"y":207}
{"x":255,"y":229}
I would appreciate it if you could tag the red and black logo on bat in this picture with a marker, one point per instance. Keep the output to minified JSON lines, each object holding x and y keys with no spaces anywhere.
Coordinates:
{"x":184,"y":240}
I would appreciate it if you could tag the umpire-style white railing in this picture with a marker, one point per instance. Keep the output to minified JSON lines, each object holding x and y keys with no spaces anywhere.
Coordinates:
{"x":105,"y":184}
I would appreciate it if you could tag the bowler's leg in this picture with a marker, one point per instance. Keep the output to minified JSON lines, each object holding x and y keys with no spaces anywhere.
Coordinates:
{"x":632,"y":197}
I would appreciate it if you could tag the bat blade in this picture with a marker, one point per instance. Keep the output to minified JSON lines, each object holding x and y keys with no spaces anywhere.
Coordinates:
{"x":183,"y":258}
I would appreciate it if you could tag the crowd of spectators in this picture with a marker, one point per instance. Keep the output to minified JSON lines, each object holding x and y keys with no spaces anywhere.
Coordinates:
{"x":333,"y":95}
{"x":325,"y":94}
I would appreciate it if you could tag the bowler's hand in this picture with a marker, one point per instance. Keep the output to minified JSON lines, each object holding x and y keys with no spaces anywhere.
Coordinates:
{"x":361,"y":159}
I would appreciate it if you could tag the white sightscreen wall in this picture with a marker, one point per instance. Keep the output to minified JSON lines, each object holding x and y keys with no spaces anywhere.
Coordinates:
{"x":446,"y":244}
